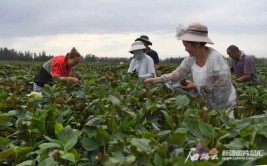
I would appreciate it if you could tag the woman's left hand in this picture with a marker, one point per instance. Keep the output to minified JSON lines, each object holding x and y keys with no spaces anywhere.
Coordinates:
{"x":74,"y":80}
{"x":190,"y":85}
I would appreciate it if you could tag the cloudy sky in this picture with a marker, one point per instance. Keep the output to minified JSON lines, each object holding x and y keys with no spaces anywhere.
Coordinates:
{"x":109,"y":27}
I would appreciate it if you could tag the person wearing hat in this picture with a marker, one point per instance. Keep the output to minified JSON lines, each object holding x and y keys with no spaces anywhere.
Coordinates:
{"x":152,"y":53}
{"x":142,"y":63}
{"x":243,"y":65}
{"x":58,"y":67}
{"x":211,"y":76}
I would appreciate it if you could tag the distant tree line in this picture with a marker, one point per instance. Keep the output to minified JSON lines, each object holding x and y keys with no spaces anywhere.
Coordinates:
{"x":177,"y":60}
{"x":13,"y":55}
{"x":260,"y":61}
{"x":93,"y":58}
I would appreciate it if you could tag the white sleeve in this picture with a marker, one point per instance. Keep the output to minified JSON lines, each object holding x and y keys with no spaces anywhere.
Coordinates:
{"x":130,"y":70}
{"x":179,"y":73}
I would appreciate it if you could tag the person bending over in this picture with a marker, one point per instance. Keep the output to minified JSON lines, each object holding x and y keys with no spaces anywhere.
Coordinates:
{"x":59,"y":67}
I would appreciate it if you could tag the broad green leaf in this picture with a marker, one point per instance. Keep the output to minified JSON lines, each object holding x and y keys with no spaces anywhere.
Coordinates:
{"x":116,"y":159}
{"x":181,"y":130}
{"x":49,"y":161}
{"x":142,"y":145}
{"x":49,"y":145}
{"x":148,"y":135}
{"x":130,"y":159}
{"x":167,"y":116}
{"x":68,"y":156}
{"x":95,"y":121}
{"x":60,"y":100}
{"x":69,"y":137}
{"x":262,"y":130}
{"x":3,"y":143}
{"x":152,"y":107}
{"x":237,"y":143}
{"x":182,"y":100}
{"x":192,"y":126}
{"x":260,"y":142}
{"x":39,"y":124}
{"x":80,"y":94}
{"x":90,"y":144}
{"x":114,"y":100}
{"x":26,"y":163}
{"x":119,"y":159}
{"x":155,"y":127}
{"x":102,"y":137}
{"x":52,"y":140}
{"x":158,"y":160}
{"x":241,"y":126}
{"x":205,"y":129}
{"x":262,"y":160}
{"x":177,"y":138}
{"x":76,"y":154}
{"x":5,"y":121}
{"x":164,"y":133}
{"x":11,"y":113}
{"x":131,"y":113}
{"x":22,"y":152}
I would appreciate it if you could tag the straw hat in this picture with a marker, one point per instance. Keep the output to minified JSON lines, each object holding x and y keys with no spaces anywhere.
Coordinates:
{"x":138,"y":45}
{"x":195,"y":32}
{"x":144,"y":38}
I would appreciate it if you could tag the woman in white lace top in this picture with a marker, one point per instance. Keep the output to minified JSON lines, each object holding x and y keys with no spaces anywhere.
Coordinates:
{"x":211,"y":76}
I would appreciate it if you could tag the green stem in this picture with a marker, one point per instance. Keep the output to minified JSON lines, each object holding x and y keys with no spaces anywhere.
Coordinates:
{"x":212,"y":139}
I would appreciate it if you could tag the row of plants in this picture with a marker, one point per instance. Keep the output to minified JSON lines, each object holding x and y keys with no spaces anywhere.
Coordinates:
{"x":113,"y":118}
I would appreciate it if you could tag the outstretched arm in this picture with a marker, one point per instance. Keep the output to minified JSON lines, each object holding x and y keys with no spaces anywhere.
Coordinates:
{"x":72,"y":79}
{"x":245,"y":77}
{"x":153,"y":80}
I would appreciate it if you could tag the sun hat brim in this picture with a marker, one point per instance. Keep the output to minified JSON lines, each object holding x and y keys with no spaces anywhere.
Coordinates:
{"x":195,"y":33}
{"x":137,"y":47}
{"x":195,"y":38}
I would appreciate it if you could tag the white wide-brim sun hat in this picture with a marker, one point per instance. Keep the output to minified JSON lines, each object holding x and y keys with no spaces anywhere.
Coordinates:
{"x":195,"y":32}
{"x":138,"y":45}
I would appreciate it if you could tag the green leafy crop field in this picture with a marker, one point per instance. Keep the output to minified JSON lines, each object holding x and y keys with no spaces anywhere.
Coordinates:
{"x":113,"y":118}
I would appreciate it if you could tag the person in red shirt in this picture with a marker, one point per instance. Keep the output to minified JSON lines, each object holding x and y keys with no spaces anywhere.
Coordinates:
{"x":58,"y":67}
